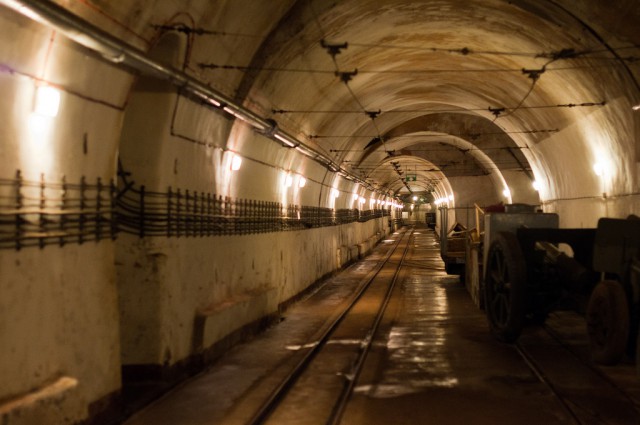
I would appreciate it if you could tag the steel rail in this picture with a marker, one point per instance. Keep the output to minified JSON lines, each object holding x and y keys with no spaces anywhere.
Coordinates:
{"x":531,"y":364}
{"x":345,"y":395}
{"x":280,"y":392}
{"x":565,"y":400}
{"x":589,"y":365}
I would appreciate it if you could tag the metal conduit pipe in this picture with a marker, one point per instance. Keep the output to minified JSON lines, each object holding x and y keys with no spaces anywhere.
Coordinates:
{"x":121,"y":53}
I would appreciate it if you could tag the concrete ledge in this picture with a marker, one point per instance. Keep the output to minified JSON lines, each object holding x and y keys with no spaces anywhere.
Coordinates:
{"x":50,"y":404}
{"x":213,"y":322}
{"x":347,"y":255}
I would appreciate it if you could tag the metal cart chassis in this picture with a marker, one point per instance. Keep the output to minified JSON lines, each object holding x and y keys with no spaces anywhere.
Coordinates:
{"x":527,"y":276}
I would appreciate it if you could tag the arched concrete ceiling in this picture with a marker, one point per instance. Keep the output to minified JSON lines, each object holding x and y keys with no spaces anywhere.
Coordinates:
{"x":506,"y":76}
{"x":529,"y":83}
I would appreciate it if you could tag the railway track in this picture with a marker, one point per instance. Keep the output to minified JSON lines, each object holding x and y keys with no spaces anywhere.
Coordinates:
{"x":585,"y":393}
{"x":336,"y":358}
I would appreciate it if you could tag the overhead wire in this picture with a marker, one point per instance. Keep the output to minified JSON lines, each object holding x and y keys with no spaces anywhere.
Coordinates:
{"x":333,"y":50}
{"x":471,"y":135}
{"x":401,"y":111}
{"x":437,"y":150}
{"x":243,"y":68}
{"x":465,"y":51}
{"x":534,"y":75}
{"x":499,"y":112}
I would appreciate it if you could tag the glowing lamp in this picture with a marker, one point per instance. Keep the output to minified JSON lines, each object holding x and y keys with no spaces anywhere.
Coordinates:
{"x":302,"y":182}
{"x":598,"y":168}
{"x":236,"y":162}
{"x":47,"y":102}
{"x":506,"y":192}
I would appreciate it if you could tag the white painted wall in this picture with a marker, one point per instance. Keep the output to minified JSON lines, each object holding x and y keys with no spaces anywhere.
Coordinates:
{"x":164,"y":283}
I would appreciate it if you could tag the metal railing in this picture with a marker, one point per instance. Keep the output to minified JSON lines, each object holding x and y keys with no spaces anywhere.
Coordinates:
{"x":43,"y":213}
{"x":40,"y":213}
{"x":177,"y":213}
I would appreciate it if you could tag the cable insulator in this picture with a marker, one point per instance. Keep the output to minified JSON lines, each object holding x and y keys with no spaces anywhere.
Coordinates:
{"x":534,"y":74}
{"x":345,"y":77}
{"x":333,"y":49}
{"x":496,"y":111}
{"x":373,"y":114}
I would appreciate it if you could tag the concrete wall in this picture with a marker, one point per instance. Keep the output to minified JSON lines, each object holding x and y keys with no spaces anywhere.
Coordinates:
{"x":577,"y":192}
{"x":232,"y":281}
{"x":59,"y":324}
{"x":58,"y":331}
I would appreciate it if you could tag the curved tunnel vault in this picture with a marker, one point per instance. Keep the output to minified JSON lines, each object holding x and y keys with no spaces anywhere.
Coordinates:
{"x":270,"y":144}
{"x":531,"y":73}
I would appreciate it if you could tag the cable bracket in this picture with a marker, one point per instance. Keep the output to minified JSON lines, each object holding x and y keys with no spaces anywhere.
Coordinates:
{"x":333,"y":49}
{"x":346,"y":76}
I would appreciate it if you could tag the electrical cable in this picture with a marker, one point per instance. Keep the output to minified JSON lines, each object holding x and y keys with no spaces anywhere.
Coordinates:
{"x":401,"y":111}
{"x":333,"y":50}
{"x":464,"y":150}
{"x":465,"y":51}
{"x":227,"y":67}
{"x":471,"y":135}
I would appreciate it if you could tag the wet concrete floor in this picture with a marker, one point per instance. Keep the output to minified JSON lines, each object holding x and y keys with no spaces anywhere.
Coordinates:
{"x":433,"y":362}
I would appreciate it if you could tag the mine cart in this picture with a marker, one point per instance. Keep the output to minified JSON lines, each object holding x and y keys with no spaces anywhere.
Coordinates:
{"x":530,"y":266}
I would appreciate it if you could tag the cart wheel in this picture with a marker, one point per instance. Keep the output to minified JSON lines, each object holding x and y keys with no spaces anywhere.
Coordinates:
{"x":608,"y":322}
{"x":505,"y":286}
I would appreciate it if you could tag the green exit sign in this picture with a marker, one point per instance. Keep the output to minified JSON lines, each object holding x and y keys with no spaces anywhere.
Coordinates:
{"x":411,"y":178}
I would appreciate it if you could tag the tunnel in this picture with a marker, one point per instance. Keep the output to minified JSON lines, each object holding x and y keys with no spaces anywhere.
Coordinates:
{"x":177,"y":174}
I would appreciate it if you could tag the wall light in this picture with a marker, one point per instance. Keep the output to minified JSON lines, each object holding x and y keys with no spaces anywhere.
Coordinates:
{"x":415,"y":198}
{"x":288,"y":181}
{"x":335,"y":193}
{"x":302,"y":182}
{"x":536,"y":185}
{"x":47,"y":101}
{"x":598,"y":168}
{"x":355,"y":196}
{"x":506,"y":192}
{"x":636,"y":107}
{"x":451,"y":197}
{"x":236,"y":162}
